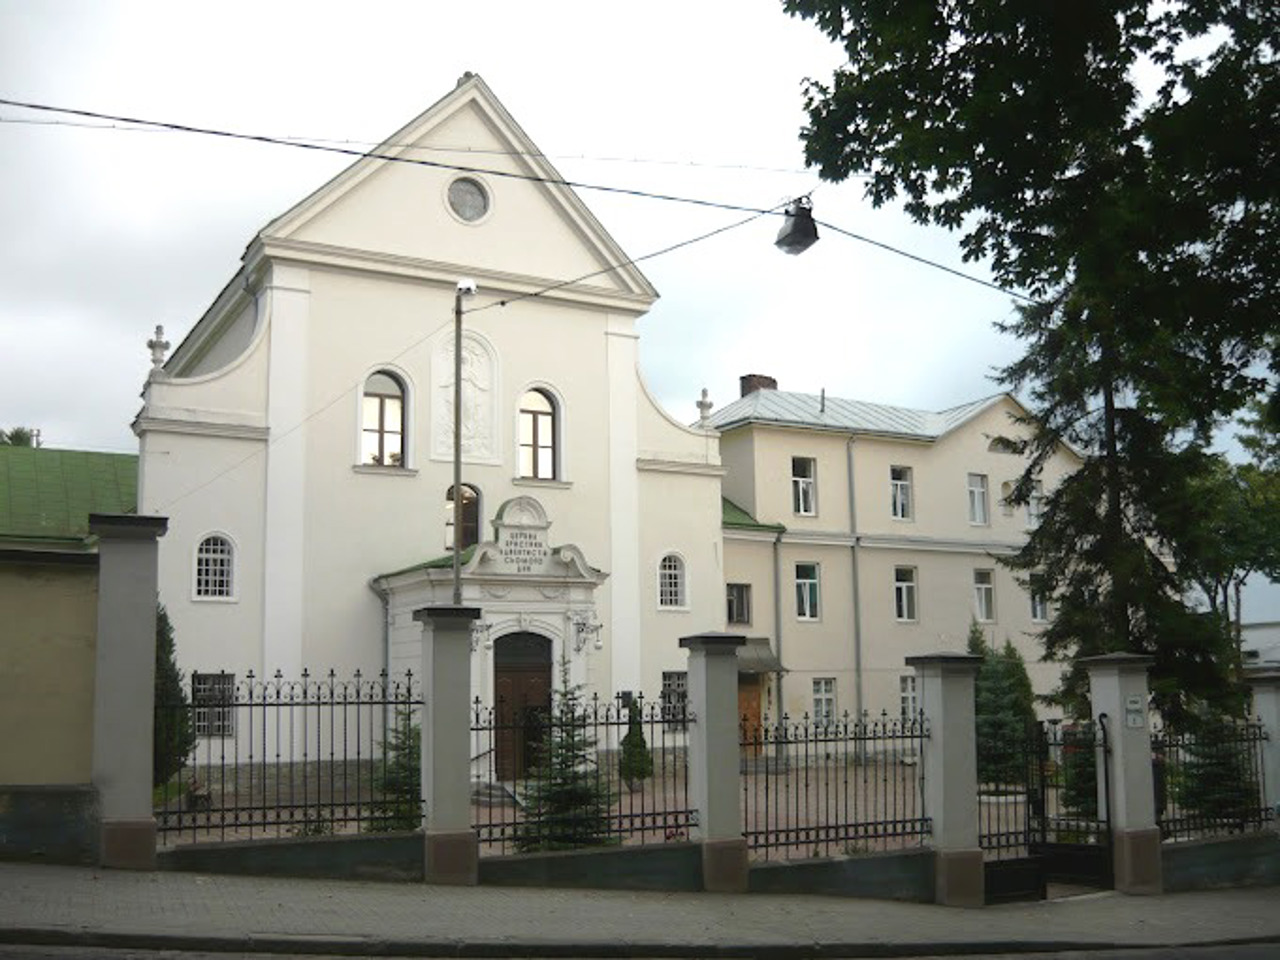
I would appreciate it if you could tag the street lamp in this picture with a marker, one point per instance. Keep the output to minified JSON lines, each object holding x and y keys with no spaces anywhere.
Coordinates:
{"x":466,"y":288}
{"x":798,"y":232}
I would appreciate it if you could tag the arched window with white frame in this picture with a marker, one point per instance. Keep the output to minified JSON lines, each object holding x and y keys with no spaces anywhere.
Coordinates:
{"x":382,"y":421}
{"x":215,"y":568}
{"x":539,"y":436}
{"x":470,"y":517}
{"x":672,"y":591}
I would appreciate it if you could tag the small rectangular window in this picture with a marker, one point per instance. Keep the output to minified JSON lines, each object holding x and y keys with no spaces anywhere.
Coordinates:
{"x":213,"y":700}
{"x":900,"y":493}
{"x":908,"y":705}
{"x":739,"y":602}
{"x":904,"y":593}
{"x":807,"y":591}
{"x":824,"y":700}
{"x":984,"y":595}
{"x":675,"y":698}
{"x":1035,"y":505}
{"x":978,"y":507}
{"x":804,"y":492}
{"x":1039,"y":601}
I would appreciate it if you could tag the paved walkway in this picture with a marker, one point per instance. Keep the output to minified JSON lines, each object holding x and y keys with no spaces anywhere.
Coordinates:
{"x":74,"y":905}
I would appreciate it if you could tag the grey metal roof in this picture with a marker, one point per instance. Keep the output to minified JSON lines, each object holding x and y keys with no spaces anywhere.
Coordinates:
{"x":849,"y":416}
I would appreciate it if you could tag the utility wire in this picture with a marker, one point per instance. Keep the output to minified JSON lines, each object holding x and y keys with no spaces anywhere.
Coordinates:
{"x":575,"y":184}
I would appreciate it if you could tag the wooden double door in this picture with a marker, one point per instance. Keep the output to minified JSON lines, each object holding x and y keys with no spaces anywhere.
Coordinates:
{"x":522,"y":700}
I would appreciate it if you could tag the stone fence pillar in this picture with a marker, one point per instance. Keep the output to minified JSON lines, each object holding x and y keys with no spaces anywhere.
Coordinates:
{"x":713,"y":759}
{"x":949,"y":766}
{"x":124,"y":687}
{"x":1265,"y":686}
{"x":1118,"y":691}
{"x":452,"y":850}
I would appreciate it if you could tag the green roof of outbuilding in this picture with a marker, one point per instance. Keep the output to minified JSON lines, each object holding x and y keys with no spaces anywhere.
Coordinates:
{"x":732,"y":515}
{"x":49,"y":494}
{"x":436,"y":563}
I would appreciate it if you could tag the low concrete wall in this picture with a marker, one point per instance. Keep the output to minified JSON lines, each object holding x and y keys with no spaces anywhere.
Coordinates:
{"x":880,"y":876}
{"x":1249,"y":861}
{"x":392,"y":856}
{"x":675,"y":867}
{"x":49,"y":824}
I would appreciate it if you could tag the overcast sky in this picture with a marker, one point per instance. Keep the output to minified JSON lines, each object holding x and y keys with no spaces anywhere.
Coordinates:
{"x":110,"y":232}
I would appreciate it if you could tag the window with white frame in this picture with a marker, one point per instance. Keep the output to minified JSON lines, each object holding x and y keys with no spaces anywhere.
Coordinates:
{"x":671,"y":588}
{"x":539,"y":432}
{"x":215,"y":568}
{"x":984,"y":595}
{"x":979,"y":512}
{"x":213,"y":700}
{"x":470,"y":517}
{"x":382,"y":421}
{"x":807,"y":591}
{"x":738,"y":596}
{"x":904,"y":593}
{"x":908,"y":704}
{"x":824,"y":700}
{"x":900,"y":505}
{"x":675,"y":697}
{"x":1035,"y":505}
{"x":804,"y":486}
{"x":1039,"y":601}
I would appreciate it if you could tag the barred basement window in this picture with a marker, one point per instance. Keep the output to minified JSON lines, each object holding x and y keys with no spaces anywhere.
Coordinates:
{"x":213,"y":697}
{"x":215,"y":567}
{"x":675,"y":697}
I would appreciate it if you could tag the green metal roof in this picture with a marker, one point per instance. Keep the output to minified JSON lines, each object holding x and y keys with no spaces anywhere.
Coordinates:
{"x":438,"y":563}
{"x":49,"y":494}
{"x":732,"y":515}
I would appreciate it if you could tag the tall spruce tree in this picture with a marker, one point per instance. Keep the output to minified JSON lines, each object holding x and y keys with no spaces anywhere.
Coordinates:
{"x":1142,"y":225}
{"x":174,"y":735}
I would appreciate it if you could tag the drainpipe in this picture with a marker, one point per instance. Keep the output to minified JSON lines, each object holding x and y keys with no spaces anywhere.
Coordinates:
{"x":385,"y":596}
{"x":777,"y":619}
{"x":857,"y":604}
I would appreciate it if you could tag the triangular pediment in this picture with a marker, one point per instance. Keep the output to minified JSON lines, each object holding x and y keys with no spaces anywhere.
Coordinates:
{"x":535,"y":229}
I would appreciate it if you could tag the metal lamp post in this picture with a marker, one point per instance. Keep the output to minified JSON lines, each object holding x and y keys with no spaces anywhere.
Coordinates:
{"x":466,"y":288}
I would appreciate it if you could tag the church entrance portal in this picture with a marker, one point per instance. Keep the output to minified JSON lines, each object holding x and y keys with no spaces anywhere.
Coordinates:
{"x":522,"y":696}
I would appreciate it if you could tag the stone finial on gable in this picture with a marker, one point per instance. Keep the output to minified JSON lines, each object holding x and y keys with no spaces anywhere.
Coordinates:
{"x":158,"y":346}
{"x":704,"y":410}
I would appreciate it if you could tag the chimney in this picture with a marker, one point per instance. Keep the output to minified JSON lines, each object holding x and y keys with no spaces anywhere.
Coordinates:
{"x":751,"y":382}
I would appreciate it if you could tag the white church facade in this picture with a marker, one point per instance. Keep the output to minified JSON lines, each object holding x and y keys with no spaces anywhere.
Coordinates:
{"x":300,"y":438}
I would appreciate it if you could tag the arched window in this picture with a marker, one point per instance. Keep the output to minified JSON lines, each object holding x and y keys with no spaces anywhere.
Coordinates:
{"x":538,"y":436}
{"x":382,"y":421}
{"x":215,"y":567}
{"x":671,"y":591}
{"x":470,"y":517}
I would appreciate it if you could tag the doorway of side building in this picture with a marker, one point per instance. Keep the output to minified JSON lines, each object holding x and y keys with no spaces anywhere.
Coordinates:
{"x":522,"y":698}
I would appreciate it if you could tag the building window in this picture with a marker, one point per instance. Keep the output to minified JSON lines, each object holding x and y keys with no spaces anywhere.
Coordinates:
{"x":382,"y":421}
{"x":213,"y":700}
{"x":538,"y":430}
{"x":1039,"y":601}
{"x":908,"y":705}
{"x":675,"y":698}
{"x":671,"y":590}
{"x":978,"y":507}
{"x":739,"y":597}
{"x":984,"y":595}
{"x":215,"y":568}
{"x":470,"y":517}
{"x":900,"y":492}
{"x":807,"y":591}
{"x":824,"y":701}
{"x":804,"y":491}
{"x":904,"y":593}
{"x":1035,"y":505}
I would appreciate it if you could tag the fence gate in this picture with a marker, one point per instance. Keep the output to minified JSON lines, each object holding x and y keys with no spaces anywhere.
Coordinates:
{"x":1042,"y":807}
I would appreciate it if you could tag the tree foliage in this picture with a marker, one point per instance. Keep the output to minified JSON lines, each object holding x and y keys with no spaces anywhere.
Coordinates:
{"x":1005,"y":711}
{"x":1115,"y":162}
{"x":18,"y":437}
{"x":174,"y":735}
{"x":568,"y":800}
{"x":636,"y":762}
{"x":397,"y":778}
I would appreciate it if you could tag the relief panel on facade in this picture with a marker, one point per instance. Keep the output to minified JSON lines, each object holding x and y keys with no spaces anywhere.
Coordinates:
{"x":479,"y":400}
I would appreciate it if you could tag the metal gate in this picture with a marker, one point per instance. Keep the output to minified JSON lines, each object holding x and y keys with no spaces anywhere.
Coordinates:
{"x":1043,"y":807}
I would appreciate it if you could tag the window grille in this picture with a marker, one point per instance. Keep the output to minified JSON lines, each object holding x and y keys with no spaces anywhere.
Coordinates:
{"x":213,"y":697}
{"x":675,"y":697}
{"x":215,"y":567}
{"x":671,"y":582}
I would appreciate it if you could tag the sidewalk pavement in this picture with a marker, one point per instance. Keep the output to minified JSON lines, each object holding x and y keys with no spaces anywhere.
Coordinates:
{"x":78,"y":906}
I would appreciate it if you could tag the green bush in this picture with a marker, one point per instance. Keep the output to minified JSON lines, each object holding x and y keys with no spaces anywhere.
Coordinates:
{"x":1006,"y":713}
{"x":173,"y":734}
{"x":1217,"y":780}
{"x":397,"y":782}
{"x":636,"y":762}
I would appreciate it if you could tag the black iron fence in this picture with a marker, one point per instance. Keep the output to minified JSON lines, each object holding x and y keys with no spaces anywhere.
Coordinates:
{"x":1209,"y":780}
{"x":1041,"y":784}
{"x":583,"y":773}
{"x":815,"y":788}
{"x":270,"y":756}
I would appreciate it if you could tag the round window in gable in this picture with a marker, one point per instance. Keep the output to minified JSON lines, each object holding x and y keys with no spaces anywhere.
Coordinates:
{"x":468,"y":199}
